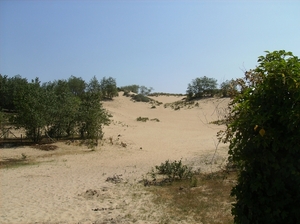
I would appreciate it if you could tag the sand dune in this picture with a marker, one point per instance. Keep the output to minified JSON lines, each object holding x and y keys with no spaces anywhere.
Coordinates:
{"x":76,"y":185}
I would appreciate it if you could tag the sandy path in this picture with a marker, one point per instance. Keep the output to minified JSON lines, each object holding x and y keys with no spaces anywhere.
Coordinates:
{"x":73,"y":188}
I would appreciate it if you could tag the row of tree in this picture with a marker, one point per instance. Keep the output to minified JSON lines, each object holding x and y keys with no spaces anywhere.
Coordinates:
{"x":57,"y":109}
{"x":198,"y":88}
{"x":72,"y":107}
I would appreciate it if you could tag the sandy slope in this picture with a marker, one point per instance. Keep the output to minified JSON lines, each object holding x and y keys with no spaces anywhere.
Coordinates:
{"x":72,"y":188}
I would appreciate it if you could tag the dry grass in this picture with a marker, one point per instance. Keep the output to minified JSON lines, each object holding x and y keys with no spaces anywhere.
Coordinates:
{"x":15,"y":163}
{"x":48,"y":153}
{"x":209,"y":202}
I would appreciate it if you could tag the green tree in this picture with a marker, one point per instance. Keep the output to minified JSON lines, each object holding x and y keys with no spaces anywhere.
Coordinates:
{"x":92,"y":116}
{"x":263,"y":129}
{"x":227,"y":88}
{"x":62,"y":107}
{"x":76,"y":86}
{"x":108,"y":87}
{"x":200,"y":87}
{"x":31,"y":111}
{"x":3,"y":120}
{"x":9,"y":88}
{"x":143,"y":90}
{"x":94,"y":87}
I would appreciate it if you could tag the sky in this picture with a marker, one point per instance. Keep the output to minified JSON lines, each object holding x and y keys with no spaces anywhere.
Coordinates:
{"x":158,"y":44}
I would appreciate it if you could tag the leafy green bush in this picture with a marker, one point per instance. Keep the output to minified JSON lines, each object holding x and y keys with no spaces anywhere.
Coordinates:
{"x":126,"y":93}
{"x":141,"y":98}
{"x":174,"y":170}
{"x":200,"y":87}
{"x":227,"y":87}
{"x":263,"y":129}
{"x":108,"y":87}
{"x":55,"y":109}
{"x":130,"y":88}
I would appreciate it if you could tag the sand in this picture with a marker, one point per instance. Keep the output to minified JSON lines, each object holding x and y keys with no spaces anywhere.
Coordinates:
{"x":73,"y":184}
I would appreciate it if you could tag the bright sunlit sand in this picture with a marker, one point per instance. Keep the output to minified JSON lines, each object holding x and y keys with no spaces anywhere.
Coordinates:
{"x":73,"y":184}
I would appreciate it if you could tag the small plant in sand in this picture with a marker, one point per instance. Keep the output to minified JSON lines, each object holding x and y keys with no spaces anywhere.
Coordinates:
{"x":91,"y":144}
{"x":174,"y":170}
{"x":177,"y":105}
{"x":169,"y":172}
{"x":143,"y":119}
{"x":24,"y":156}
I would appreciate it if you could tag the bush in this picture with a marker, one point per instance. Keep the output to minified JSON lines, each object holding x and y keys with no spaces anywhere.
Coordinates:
{"x":263,"y":129}
{"x":108,"y":87}
{"x":227,"y":88}
{"x":201,"y":87}
{"x":174,"y":170}
{"x":141,"y":98}
{"x":130,"y":88}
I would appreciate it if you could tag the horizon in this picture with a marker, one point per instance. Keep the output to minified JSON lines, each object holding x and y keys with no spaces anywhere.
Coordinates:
{"x":159,"y":44}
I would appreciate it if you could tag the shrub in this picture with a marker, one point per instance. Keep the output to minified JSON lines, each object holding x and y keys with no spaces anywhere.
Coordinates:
{"x":108,"y":87}
{"x":141,"y":98}
{"x":126,"y":93}
{"x":174,"y":170}
{"x":143,"y":119}
{"x":130,"y":88}
{"x":263,"y":129}
{"x":227,"y":87}
{"x":200,"y":87}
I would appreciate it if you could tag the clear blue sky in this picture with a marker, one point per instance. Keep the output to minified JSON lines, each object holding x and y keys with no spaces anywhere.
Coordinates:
{"x":159,"y":44}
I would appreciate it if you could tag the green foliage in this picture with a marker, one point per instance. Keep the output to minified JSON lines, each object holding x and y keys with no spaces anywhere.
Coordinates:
{"x":141,"y":98}
{"x":130,"y":88}
{"x":143,"y":90}
{"x":62,"y":108}
{"x":108,"y":87}
{"x":9,"y":89}
{"x":165,"y":94}
{"x":177,"y":105}
{"x":76,"y":86}
{"x":3,"y":119}
{"x":56,"y":109}
{"x":200,"y":87}
{"x":174,"y":170}
{"x":95,"y":87}
{"x":91,"y":114}
{"x":227,"y":88}
{"x":263,"y":129}
{"x":31,"y":114}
